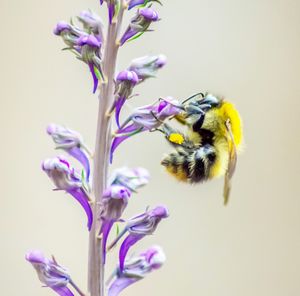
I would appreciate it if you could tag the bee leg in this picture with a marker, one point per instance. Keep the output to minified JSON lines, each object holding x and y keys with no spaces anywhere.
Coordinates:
{"x":192,"y":109}
{"x":176,"y":138}
{"x":194,"y":96}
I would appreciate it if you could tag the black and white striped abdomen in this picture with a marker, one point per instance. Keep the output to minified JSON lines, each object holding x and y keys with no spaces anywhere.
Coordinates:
{"x":190,"y":165}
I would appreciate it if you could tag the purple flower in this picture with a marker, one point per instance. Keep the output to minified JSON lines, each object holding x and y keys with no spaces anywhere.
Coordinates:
{"x":146,"y":67}
{"x":145,"y":118}
{"x":115,"y":200}
{"x":126,"y":80}
{"x":92,"y":23}
{"x":84,"y":45}
{"x":136,"y":268}
{"x":50,"y":273}
{"x":130,"y":178}
{"x":90,"y":49}
{"x":139,"y":24}
{"x":134,"y":3}
{"x":137,"y":228}
{"x":67,"y":178}
{"x":72,"y":142}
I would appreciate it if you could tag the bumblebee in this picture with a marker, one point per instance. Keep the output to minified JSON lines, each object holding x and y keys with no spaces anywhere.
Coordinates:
{"x":210,"y":146}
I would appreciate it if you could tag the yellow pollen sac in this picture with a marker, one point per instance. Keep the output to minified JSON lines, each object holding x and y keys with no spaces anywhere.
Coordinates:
{"x":176,"y":138}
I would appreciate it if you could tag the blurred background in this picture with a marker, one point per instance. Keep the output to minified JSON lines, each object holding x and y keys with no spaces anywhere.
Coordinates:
{"x":247,"y":51}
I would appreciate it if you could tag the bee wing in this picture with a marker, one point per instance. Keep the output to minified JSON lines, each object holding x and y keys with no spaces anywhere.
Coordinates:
{"x":232,"y":160}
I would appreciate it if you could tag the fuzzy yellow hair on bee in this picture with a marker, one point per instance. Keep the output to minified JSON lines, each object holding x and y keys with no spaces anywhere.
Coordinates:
{"x":210,"y":148}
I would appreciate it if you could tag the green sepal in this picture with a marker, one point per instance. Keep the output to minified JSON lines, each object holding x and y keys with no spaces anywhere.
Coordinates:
{"x":98,"y":73}
{"x":117,"y":230}
{"x":136,"y":36}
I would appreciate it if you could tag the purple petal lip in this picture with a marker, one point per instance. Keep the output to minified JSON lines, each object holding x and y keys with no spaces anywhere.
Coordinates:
{"x":61,"y":26}
{"x":120,"y":284}
{"x":160,"y":211}
{"x":95,"y":78}
{"x":81,"y":198}
{"x":128,"y":76}
{"x":63,"y":291}
{"x":129,"y":241}
{"x":149,"y":14}
{"x":88,"y":40}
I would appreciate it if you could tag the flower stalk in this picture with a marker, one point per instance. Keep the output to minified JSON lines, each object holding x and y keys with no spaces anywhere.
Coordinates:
{"x":102,"y":151}
{"x":104,"y":198}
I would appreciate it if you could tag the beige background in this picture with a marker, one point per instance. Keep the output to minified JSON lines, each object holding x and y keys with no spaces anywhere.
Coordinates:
{"x":248,"y":51}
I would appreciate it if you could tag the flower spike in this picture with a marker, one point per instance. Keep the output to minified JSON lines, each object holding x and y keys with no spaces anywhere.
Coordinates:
{"x":139,"y":24}
{"x":66,"y":178}
{"x":145,"y":118}
{"x":50,"y":273}
{"x":72,"y":142}
{"x":136,"y":268}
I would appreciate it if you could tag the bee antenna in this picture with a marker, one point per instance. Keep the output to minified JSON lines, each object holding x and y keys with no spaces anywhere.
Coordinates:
{"x":193,"y":96}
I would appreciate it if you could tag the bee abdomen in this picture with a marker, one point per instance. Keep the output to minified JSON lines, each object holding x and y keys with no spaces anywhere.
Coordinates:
{"x":190,"y":166}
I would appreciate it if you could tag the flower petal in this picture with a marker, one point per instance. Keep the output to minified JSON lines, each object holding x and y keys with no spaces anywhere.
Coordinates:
{"x":119,"y":104}
{"x":95,"y":79}
{"x":80,"y":196}
{"x":120,"y":284}
{"x":130,"y":240}
{"x":118,"y":140}
{"x":105,"y":229}
{"x":63,"y":291}
{"x":82,"y":158}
